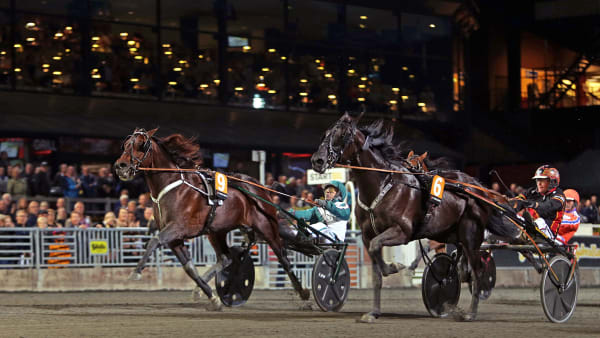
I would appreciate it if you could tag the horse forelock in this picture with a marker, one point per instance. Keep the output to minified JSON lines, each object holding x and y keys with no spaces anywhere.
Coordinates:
{"x":183,"y":151}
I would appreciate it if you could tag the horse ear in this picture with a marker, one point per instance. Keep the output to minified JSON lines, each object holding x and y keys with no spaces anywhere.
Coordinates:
{"x":411,"y":154}
{"x":422,"y":157}
{"x":151,"y":132}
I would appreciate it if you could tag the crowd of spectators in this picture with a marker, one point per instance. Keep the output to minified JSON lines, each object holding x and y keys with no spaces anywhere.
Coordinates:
{"x":25,"y":190}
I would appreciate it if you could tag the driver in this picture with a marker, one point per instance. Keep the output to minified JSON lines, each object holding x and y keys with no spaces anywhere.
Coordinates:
{"x":332,"y":214}
{"x":570,"y":221}
{"x":544,"y":205}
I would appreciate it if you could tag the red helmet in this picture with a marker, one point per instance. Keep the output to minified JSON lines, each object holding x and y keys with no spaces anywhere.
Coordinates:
{"x":572,"y":195}
{"x":548,"y":172}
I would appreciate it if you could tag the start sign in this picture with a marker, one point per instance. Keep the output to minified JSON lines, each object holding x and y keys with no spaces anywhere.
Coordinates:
{"x":98,"y":247}
{"x":338,"y":174}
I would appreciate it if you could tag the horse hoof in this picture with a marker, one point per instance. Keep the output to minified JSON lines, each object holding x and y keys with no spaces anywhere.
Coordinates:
{"x":304,"y":294}
{"x":367,"y":318}
{"x":399,"y":266}
{"x":214,"y":305}
{"x":135,"y":276}
{"x":196,"y":294}
{"x":307,"y":306}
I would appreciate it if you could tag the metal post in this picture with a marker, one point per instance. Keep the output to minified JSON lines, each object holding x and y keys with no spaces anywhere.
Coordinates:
{"x":36,"y":239}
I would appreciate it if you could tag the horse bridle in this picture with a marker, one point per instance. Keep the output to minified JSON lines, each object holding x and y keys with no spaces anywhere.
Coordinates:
{"x":333,"y":154}
{"x":135,"y":161}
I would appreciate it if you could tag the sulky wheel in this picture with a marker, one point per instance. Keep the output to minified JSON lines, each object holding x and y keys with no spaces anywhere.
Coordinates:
{"x":330,"y":296}
{"x":488,"y":275}
{"x":440,"y":284}
{"x":559,"y":295}
{"x":235,"y":282}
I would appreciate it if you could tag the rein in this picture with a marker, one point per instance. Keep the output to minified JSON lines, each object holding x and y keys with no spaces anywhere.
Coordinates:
{"x":423,"y":173}
{"x":228,"y":176}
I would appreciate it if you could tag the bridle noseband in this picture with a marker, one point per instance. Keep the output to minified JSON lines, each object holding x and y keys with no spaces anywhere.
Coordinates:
{"x":135,"y":162}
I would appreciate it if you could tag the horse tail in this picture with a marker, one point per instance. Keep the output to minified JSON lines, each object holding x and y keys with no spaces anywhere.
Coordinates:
{"x":501,"y":226}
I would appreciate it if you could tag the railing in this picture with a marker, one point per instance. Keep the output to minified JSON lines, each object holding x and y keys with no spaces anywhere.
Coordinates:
{"x":123,"y":247}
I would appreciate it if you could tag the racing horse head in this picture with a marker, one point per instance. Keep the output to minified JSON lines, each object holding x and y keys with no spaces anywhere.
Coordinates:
{"x":337,"y":144}
{"x":137,"y":149}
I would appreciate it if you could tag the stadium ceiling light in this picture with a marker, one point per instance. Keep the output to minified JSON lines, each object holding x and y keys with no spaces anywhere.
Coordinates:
{"x":363,"y":17}
{"x":30,"y":25}
{"x":303,"y":80}
{"x":395,"y":89}
{"x":239,"y":89}
{"x":134,"y":79}
{"x":431,"y":25}
{"x":393,"y":102}
{"x":284,"y":58}
{"x":95,"y":38}
{"x":327,"y":75}
{"x":303,"y":94}
{"x":172,"y":83}
{"x":361,"y":99}
{"x":272,"y":91}
{"x":217,"y":81}
{"x":69,"y":28}
{"x":272,"y":50}
{"x":177,"y":69}
{"x":265,"y":69}
{"x":421,"y":104}
{"x":364,"y":78}
{"x":331,"y":97}
{"x":166,"y":45}
{"x":412,"y":76}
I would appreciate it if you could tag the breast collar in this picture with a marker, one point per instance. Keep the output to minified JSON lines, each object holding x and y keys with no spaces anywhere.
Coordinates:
{"x":176,"y":184}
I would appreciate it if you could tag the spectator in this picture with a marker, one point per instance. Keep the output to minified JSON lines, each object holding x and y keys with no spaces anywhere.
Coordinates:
{"x":110,"y":220}
{"x":3,"y":180}
{"x":589,"y":213}
{"x":59,"y":184}
{"x":143,"y":203}
{"x":496,"y":187}
{"x":105,"y":183}
{"x":61,"y":217}
{"x":42,"y":222}
{"x":72,"y":183}
{"x":60,"y":203}
{"x":79,"y":207}
{"x":88,"y":183}
{"x":123,"y":200}
{"x":74,"y":220}
{"x":21,"y":218}
{"x":16,"y":186}
{"x":52,"y":219}
{"x":28,"y":176}
{"x":9,"y":204}
{"x":40,"y":184}
{"x":33,"y":210}
{"x":122,"y":218}
{"x":146,"y":217}
{"x":132,"y":207}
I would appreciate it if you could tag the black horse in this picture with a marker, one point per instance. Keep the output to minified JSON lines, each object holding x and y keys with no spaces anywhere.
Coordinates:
{"x":401,"y":215}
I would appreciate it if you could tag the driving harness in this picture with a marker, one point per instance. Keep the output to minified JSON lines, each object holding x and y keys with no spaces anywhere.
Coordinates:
{"x":212,"y":197}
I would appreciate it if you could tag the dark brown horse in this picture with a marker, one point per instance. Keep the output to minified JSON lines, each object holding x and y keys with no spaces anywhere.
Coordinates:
{"x":400,"y":216}
{"x":182,"y":210}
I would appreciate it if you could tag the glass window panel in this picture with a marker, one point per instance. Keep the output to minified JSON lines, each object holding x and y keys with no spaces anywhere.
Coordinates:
{"x":189,"y":65}
{"x":122,"y":59}
{"x":130,"y":11}
{"x":4,"y":3}
{"x":189,"y":15}
{"x":5,"y":48}
{"x":63,"y":7}
{"x":368,"y":24}
{"x":314,"y":20}
{"x":48,"y":53}
{"x":314,"y":81}
{"x":256,"y":74}
{"x":259,"y":18}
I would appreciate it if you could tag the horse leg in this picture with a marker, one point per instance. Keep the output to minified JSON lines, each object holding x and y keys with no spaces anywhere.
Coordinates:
{"x":153,"y":244}
{"x":390,"y":237}
{"x":183,"y":256}
{"x":219,"y":244}
{"x":277,"y":247}
{"x":476,"y":273}
{"x":377,"y":279}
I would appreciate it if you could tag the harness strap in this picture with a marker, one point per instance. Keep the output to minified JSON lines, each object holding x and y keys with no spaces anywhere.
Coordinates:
{"x":163,"y":192}
{"x":382,"y":192}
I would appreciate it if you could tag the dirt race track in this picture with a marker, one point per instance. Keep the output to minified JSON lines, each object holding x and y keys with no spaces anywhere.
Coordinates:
{"x":508,"y":313}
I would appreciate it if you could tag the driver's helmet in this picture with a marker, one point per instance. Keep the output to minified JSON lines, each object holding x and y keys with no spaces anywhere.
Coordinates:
{"x":550,"y":173}
{"x":572,"y":195}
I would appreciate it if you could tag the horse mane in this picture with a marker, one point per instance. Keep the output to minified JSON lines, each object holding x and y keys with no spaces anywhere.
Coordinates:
{"x":183,"y":151}
{"x":381,"y":138}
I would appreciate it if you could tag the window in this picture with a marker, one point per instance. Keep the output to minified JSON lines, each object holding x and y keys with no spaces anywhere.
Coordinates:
{"x":189,"y":65}
{"x":259,"y":18}
{"x":313,"y":20}
{"x":48,"y":53}
{"x":122,"y":59}
{"x":189,"y":15}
